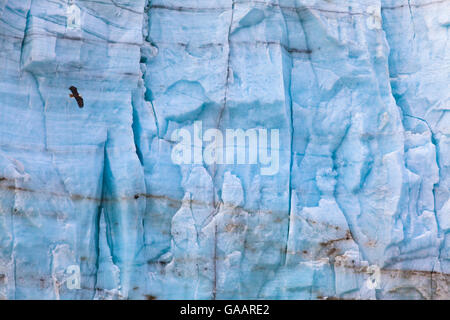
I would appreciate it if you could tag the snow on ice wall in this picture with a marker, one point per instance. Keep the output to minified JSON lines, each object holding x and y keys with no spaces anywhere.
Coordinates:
{"x":360,"y":205}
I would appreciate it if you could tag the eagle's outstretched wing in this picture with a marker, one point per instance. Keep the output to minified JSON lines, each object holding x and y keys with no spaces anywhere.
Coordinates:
{"x":74,"y":91}
{"x":80,"y":101}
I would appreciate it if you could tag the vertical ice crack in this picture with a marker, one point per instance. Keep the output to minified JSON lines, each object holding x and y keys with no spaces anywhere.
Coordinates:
{"x":225,"y":99}
{"x":227,"y":79}
{"x":216,"y":203}
{"x":13,"y":251}
{"x":34,"y":77}
{"x":144,"y":58}
{"x":156,"y":119}
{"x":13,"y":210}
{"x":291,"y":127}
{"x":412,"y":18}
{"x":214,"y":291}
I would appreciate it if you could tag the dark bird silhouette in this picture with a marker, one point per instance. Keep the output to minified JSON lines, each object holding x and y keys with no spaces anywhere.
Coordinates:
{"x":77,"y":96}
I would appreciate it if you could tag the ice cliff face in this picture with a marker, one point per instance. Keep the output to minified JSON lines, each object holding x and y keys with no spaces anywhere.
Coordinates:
{"x":358,"y":91}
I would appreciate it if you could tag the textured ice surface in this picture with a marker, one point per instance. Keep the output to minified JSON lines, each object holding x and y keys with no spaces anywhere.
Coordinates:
{"x":358,"y":89}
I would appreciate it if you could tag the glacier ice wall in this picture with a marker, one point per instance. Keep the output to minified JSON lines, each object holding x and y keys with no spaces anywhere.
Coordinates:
{"x":359,"y":91}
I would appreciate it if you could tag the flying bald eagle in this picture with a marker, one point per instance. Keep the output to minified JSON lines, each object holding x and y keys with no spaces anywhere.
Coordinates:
{"x":77,"y":97}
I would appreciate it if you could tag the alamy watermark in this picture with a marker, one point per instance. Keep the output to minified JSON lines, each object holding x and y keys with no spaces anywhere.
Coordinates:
{"x":73,"y":280}
{"x":236,"y":146}
{"x":73,"y":14}
{"x":374,"y":279}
